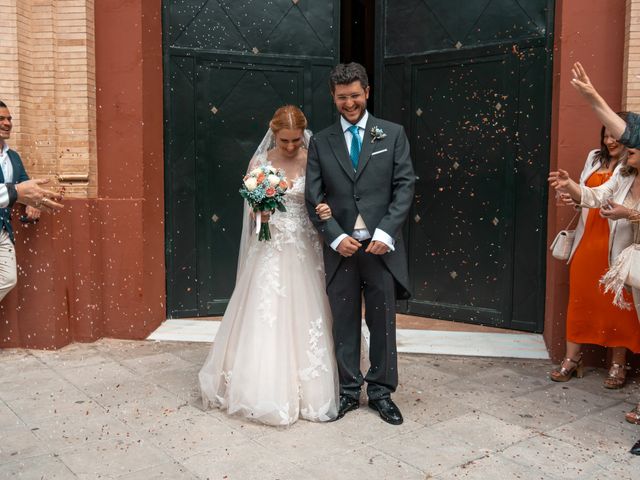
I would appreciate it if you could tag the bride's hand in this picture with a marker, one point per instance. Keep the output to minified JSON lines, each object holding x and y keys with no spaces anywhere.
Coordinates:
{"x":265,"y":217}
{"x":323,"y":211}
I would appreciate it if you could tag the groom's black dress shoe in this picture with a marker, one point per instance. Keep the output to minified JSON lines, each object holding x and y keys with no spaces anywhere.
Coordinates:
{"x":346,"y":405}
{"x":388,"y":410}
{"x":636,"y":448}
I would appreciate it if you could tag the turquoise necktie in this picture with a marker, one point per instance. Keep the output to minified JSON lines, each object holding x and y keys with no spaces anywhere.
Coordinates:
{"x":355,"y":146}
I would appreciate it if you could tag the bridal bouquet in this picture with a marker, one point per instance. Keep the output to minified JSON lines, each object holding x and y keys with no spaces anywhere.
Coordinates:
{"x":264,"y":188}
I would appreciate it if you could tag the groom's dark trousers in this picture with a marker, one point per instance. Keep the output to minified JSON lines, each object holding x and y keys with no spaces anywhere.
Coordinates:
{"x":364,"y":273}
{"x":380,"y":190}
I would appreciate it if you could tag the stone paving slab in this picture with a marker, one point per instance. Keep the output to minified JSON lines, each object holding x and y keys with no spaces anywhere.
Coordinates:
{"x":131,"y":411}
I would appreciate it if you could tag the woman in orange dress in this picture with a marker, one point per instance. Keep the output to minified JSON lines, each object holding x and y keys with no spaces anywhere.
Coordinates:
{"x":627,"y":132}
{"x":591,"y":316}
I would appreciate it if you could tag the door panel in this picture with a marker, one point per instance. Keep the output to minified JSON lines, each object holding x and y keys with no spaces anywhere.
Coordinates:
{"x":420,"y":26}
{"x":226,"y":141}
{"x":228,"y":66}
{"x":470,"y":81}
{"x":460,"y":234}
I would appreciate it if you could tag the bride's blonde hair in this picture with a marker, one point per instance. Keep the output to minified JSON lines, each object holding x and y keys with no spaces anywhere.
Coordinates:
{"x":290,"y":117}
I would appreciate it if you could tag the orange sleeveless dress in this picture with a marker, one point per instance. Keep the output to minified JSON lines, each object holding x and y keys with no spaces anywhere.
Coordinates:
{"x":591,"y":317}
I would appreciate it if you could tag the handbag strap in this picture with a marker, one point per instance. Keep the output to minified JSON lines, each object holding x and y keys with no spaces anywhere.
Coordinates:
{"x":578,"y":212}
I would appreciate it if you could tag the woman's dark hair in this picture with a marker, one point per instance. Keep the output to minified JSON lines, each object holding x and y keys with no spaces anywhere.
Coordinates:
{"x":2,"y":104}
{"x":346,"y":73}
{"x":627,"y":170}
{"x":603,"y":156}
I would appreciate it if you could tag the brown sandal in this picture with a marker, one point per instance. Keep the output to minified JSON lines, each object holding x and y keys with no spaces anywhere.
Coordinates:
{"x":634,"y":415}
{"x":567,"y":369}
{"x":617,"y":376}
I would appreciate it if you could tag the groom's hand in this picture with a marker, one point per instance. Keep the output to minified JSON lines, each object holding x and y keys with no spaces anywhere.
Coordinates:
{"x":377,"y":248}
{"x":348,"y":246}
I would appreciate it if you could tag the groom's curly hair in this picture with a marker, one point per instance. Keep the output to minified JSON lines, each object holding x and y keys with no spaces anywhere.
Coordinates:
{"x":346,"y":73}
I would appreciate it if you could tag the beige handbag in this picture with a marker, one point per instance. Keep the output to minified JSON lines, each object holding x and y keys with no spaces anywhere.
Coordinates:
{"x":563,"y":243}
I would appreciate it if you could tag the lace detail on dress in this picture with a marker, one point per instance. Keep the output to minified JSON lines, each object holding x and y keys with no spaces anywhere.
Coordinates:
{"x":275,"y":335}
{"x":315,"y":353}
{"x":321,"y":415}
{"x":293,"y":226}
{"x":268,"y":291}
{"x":290,"y":228}
{"x":219,"y":400}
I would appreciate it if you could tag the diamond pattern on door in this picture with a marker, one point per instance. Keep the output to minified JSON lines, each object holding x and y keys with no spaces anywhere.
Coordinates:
{"x":279,"y":26}
{"x":431,"y":25}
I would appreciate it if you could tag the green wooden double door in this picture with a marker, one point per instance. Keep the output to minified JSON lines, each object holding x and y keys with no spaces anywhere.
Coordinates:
{"x":470,"y":81}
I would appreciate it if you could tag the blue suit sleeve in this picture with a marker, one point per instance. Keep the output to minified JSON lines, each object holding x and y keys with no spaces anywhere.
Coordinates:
{"x":631,"y":135}
{"x":20,"y":175}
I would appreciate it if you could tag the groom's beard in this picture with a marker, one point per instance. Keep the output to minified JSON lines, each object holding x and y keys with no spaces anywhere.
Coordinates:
{"x":353,"y":122}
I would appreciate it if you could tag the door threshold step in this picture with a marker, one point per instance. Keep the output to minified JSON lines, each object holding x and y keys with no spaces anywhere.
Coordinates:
{"x":435,"y":342}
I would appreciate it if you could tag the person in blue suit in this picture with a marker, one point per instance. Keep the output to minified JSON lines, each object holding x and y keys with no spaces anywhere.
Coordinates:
{"x":12,"y":172}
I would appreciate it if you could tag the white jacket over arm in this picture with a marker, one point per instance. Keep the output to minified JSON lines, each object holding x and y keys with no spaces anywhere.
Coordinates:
{"x":591,"y":165}
{"x":615,"y":189}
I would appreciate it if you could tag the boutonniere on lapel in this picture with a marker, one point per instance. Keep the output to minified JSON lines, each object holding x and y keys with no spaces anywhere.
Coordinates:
{"x":377,"y":134}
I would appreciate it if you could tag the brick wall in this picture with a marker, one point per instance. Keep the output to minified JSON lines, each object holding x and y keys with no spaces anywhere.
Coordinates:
{"x":631,"y":77}
{"x":47,"y":53}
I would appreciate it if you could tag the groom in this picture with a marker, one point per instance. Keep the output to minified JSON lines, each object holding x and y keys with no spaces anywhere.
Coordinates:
{"x":361,"y":167}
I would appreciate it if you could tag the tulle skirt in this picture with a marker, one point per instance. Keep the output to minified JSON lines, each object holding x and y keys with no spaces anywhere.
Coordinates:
{"x":272,"y":360}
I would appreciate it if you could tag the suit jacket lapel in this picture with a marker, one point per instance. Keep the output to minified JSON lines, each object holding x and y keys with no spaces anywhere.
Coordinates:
{"x":2,"y":173}
{"x":14,"y":164}
{"x":340,"y":150}
{"x":367,"y":146}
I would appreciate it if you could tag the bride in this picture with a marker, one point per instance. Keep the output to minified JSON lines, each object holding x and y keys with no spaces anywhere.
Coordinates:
{"x":272,"y":360}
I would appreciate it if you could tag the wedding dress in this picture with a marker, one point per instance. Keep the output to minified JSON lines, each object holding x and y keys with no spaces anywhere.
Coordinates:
{"x":272,"y":360}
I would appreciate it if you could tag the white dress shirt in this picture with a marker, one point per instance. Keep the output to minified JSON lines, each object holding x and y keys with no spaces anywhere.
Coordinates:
{"x":4,"y":196}
{"x":360,"y":231}
{"x":5,"y":164}
{"x":7,"y":171}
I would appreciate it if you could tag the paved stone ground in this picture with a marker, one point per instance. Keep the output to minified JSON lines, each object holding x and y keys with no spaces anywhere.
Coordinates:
{"x":130,"y":410}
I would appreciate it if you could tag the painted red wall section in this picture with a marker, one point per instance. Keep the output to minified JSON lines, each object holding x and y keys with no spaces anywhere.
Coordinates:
{"x":97,"y":268}
{"x":131,"y":163}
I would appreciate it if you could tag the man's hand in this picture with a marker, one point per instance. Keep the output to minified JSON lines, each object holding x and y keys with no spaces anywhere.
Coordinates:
{"x":377,"y":248}
{"x":348,"y":246}
{"x":32,"y":213}
{"x":32,"y":194}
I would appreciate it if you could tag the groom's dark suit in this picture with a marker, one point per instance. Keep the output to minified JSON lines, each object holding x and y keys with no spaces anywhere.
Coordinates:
{"x":381,"y":191}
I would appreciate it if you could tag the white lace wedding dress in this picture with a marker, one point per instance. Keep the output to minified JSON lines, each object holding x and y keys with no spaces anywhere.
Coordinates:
{"x":272,"y":359}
